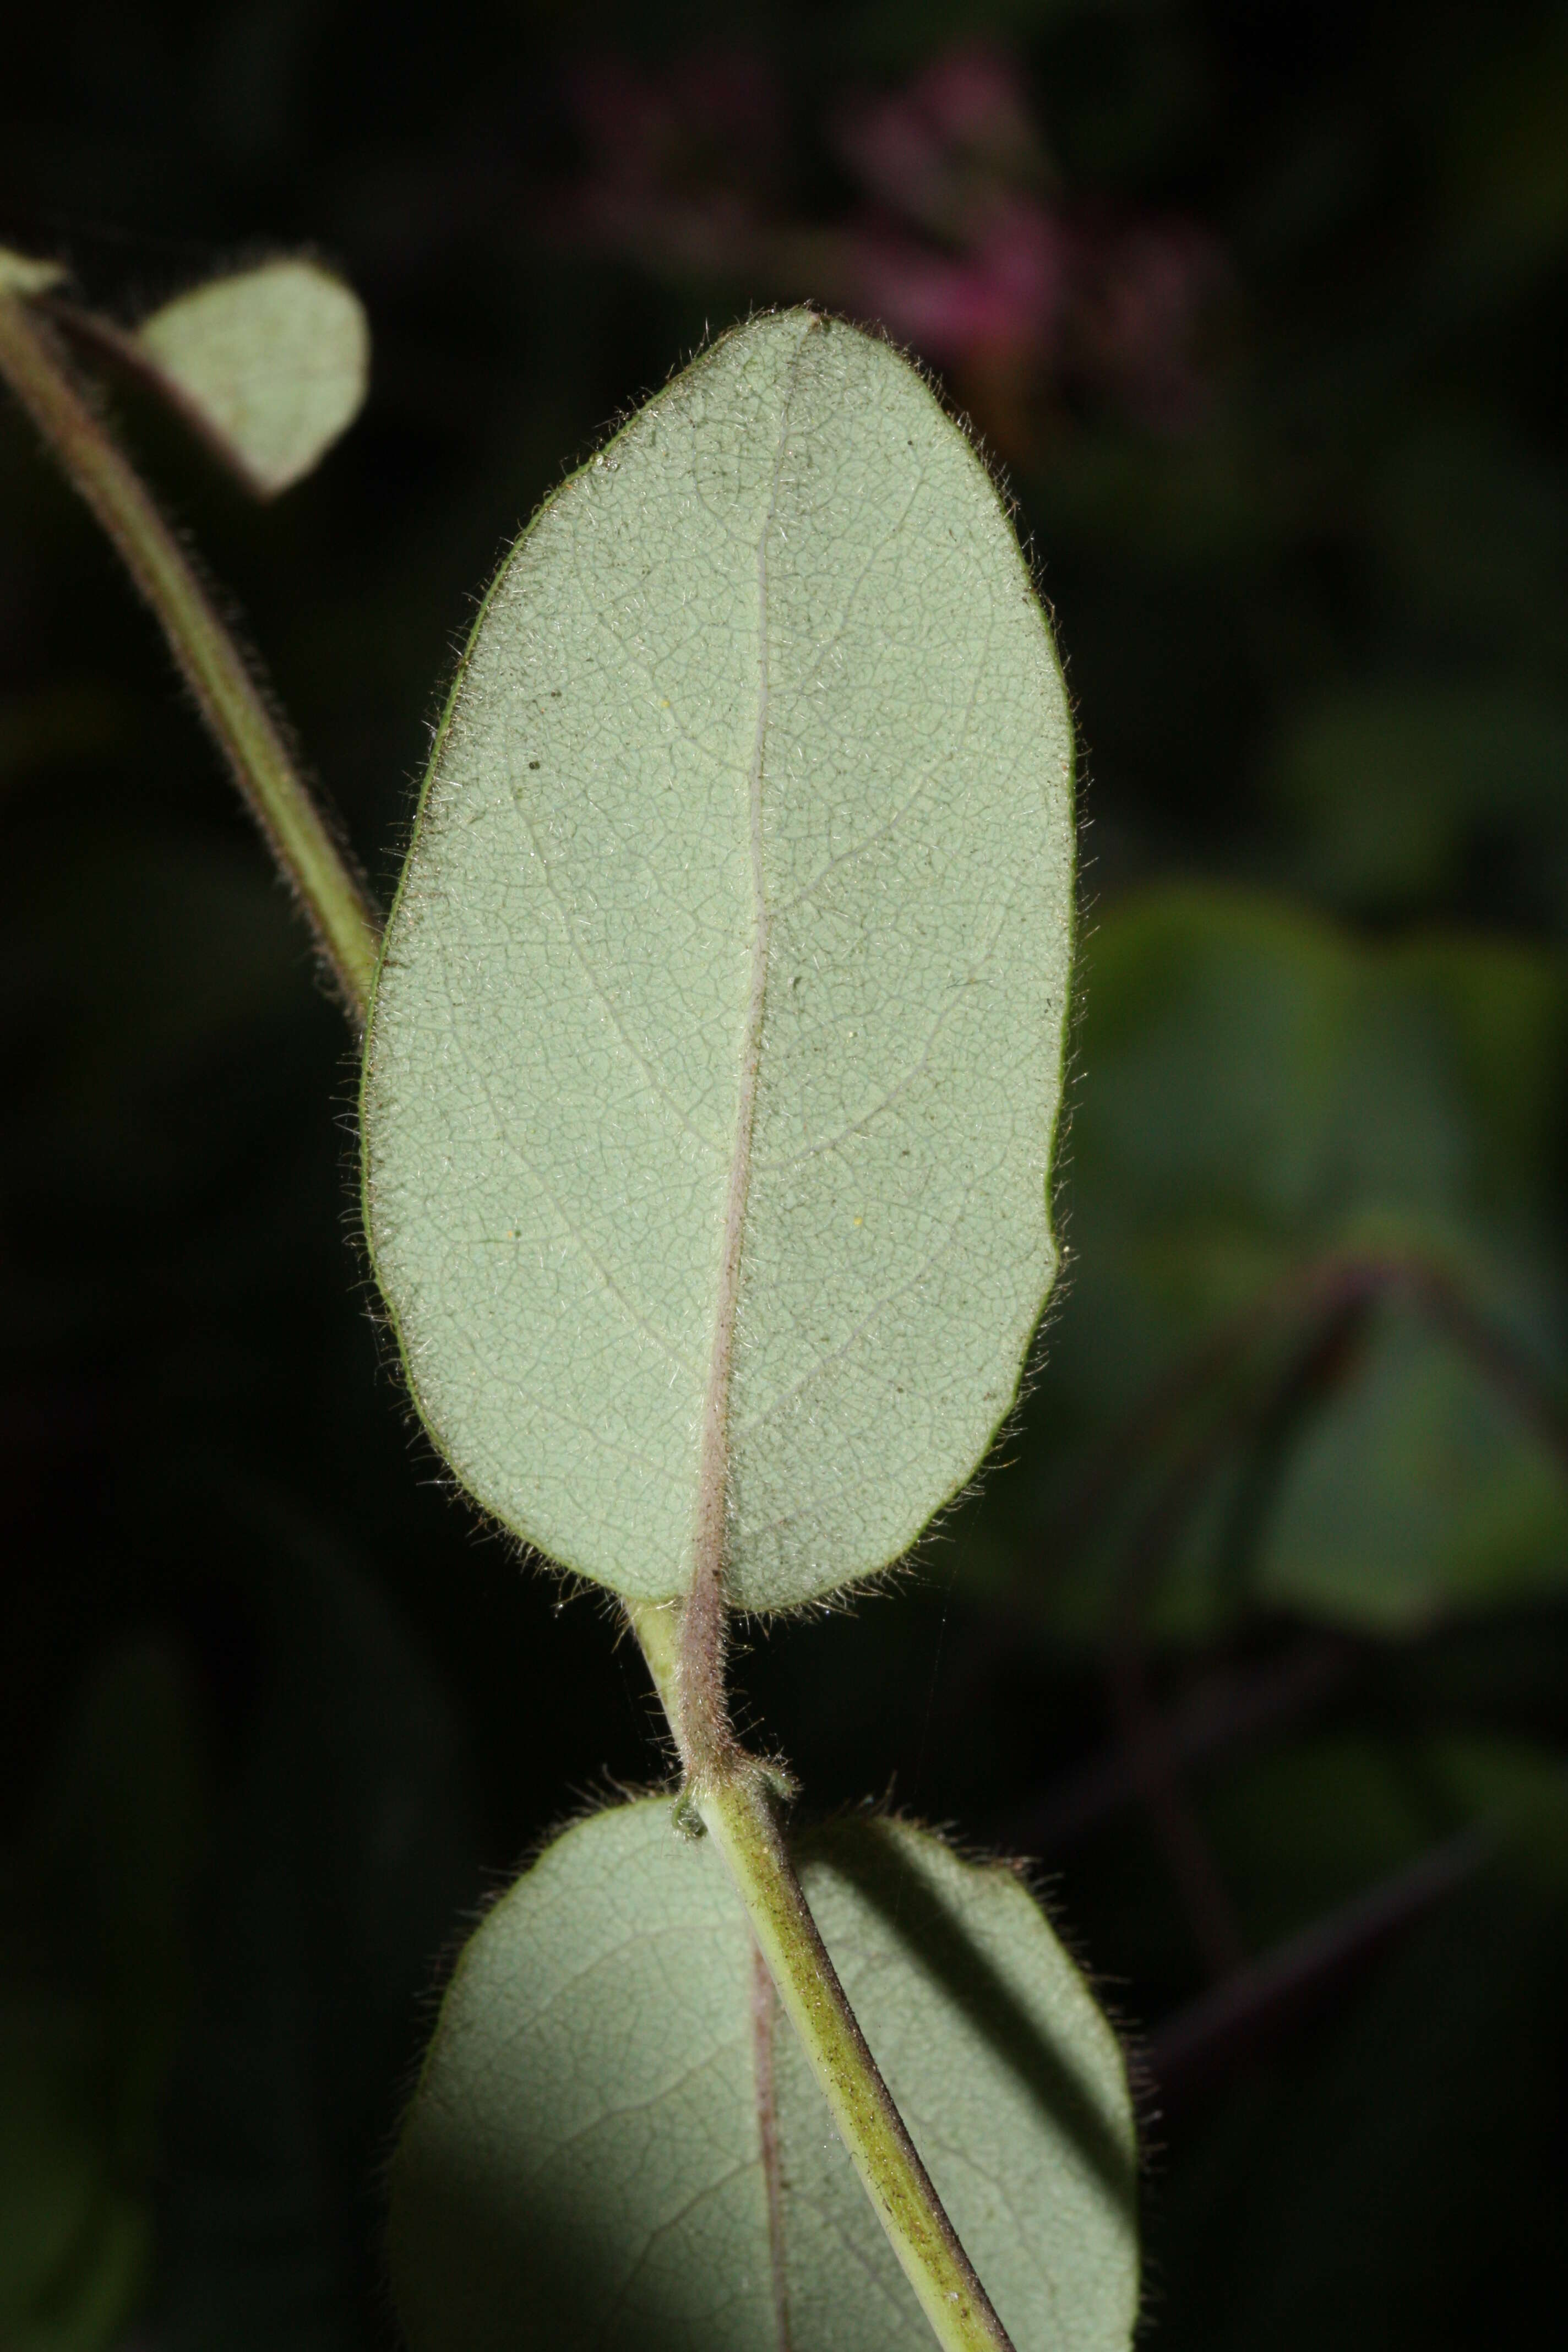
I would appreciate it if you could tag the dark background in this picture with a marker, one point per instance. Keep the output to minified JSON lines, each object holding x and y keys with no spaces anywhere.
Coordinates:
{"x":1257,"y":1638}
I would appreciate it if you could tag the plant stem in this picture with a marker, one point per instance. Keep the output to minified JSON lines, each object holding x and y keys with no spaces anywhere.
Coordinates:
{"x":228,"y":697}
{"x":732,"y":1793}
{"x":736,"y":1807}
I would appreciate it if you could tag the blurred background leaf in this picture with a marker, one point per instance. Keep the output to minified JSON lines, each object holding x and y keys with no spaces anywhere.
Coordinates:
{"x":1310,"y":1206}
{"x":95,"y":1983}
{"x":268,"y":363}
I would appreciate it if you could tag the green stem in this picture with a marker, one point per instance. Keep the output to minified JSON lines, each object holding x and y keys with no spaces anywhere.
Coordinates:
{"x":227,"y":694}
{"x":736,"y":1806}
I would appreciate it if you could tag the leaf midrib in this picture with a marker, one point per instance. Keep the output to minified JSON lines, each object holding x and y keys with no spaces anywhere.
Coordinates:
{"x":709,"y":1542}
{"x":764,"y":2014}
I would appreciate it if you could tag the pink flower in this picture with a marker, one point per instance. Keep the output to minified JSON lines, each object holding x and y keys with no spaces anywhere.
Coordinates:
{"x":959,"y":248}
{"x":946,"y":150}
{"x":1002,"y":298}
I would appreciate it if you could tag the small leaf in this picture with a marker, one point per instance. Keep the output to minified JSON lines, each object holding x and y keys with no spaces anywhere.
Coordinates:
{"x":21,"y":273}
{"x":740,"y":904}
{"x":271,"y":364}
{"x":616,"y":2141}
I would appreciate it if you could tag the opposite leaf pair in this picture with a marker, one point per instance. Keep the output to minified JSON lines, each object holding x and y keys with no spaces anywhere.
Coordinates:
{"x":711,"y":1077}
{"x":710,"y":1092}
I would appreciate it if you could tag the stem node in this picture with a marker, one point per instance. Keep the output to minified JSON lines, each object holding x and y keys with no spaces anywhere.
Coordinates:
{"x":736,"y":1800}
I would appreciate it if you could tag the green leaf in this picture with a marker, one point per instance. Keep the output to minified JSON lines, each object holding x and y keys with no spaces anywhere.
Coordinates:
{"x":1420,"y":1487}
{"x":616,"y":2142}
{"x":740,"y":905}
{"x":1264,"y":1094}
{"x":270,"y":364}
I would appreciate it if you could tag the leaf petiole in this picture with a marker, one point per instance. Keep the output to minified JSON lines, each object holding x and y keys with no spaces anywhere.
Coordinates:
{"x":227,"y":694}
{"x":736,"y":1805}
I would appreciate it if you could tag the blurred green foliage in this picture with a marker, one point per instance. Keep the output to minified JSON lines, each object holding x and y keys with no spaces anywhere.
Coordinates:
{"x":97,"y":1972}
{"x":1310,"y":1212}
{"x":1268,"y":1605}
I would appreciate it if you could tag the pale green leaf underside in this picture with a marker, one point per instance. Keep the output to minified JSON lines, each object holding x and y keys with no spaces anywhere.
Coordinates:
{"x":769,"y":669}
{"x":583,"y":2164}
{"x":273,"y":362}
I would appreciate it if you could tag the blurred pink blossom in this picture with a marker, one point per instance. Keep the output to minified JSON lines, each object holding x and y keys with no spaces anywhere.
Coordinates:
{"x":959,"y":244}
{"x":942,"y":150}
{"x":1003,"y":297}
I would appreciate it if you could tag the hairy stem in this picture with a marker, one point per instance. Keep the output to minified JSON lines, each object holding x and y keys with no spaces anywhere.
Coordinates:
{"x":736,"y":1807}
{"x":33,"y":364}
